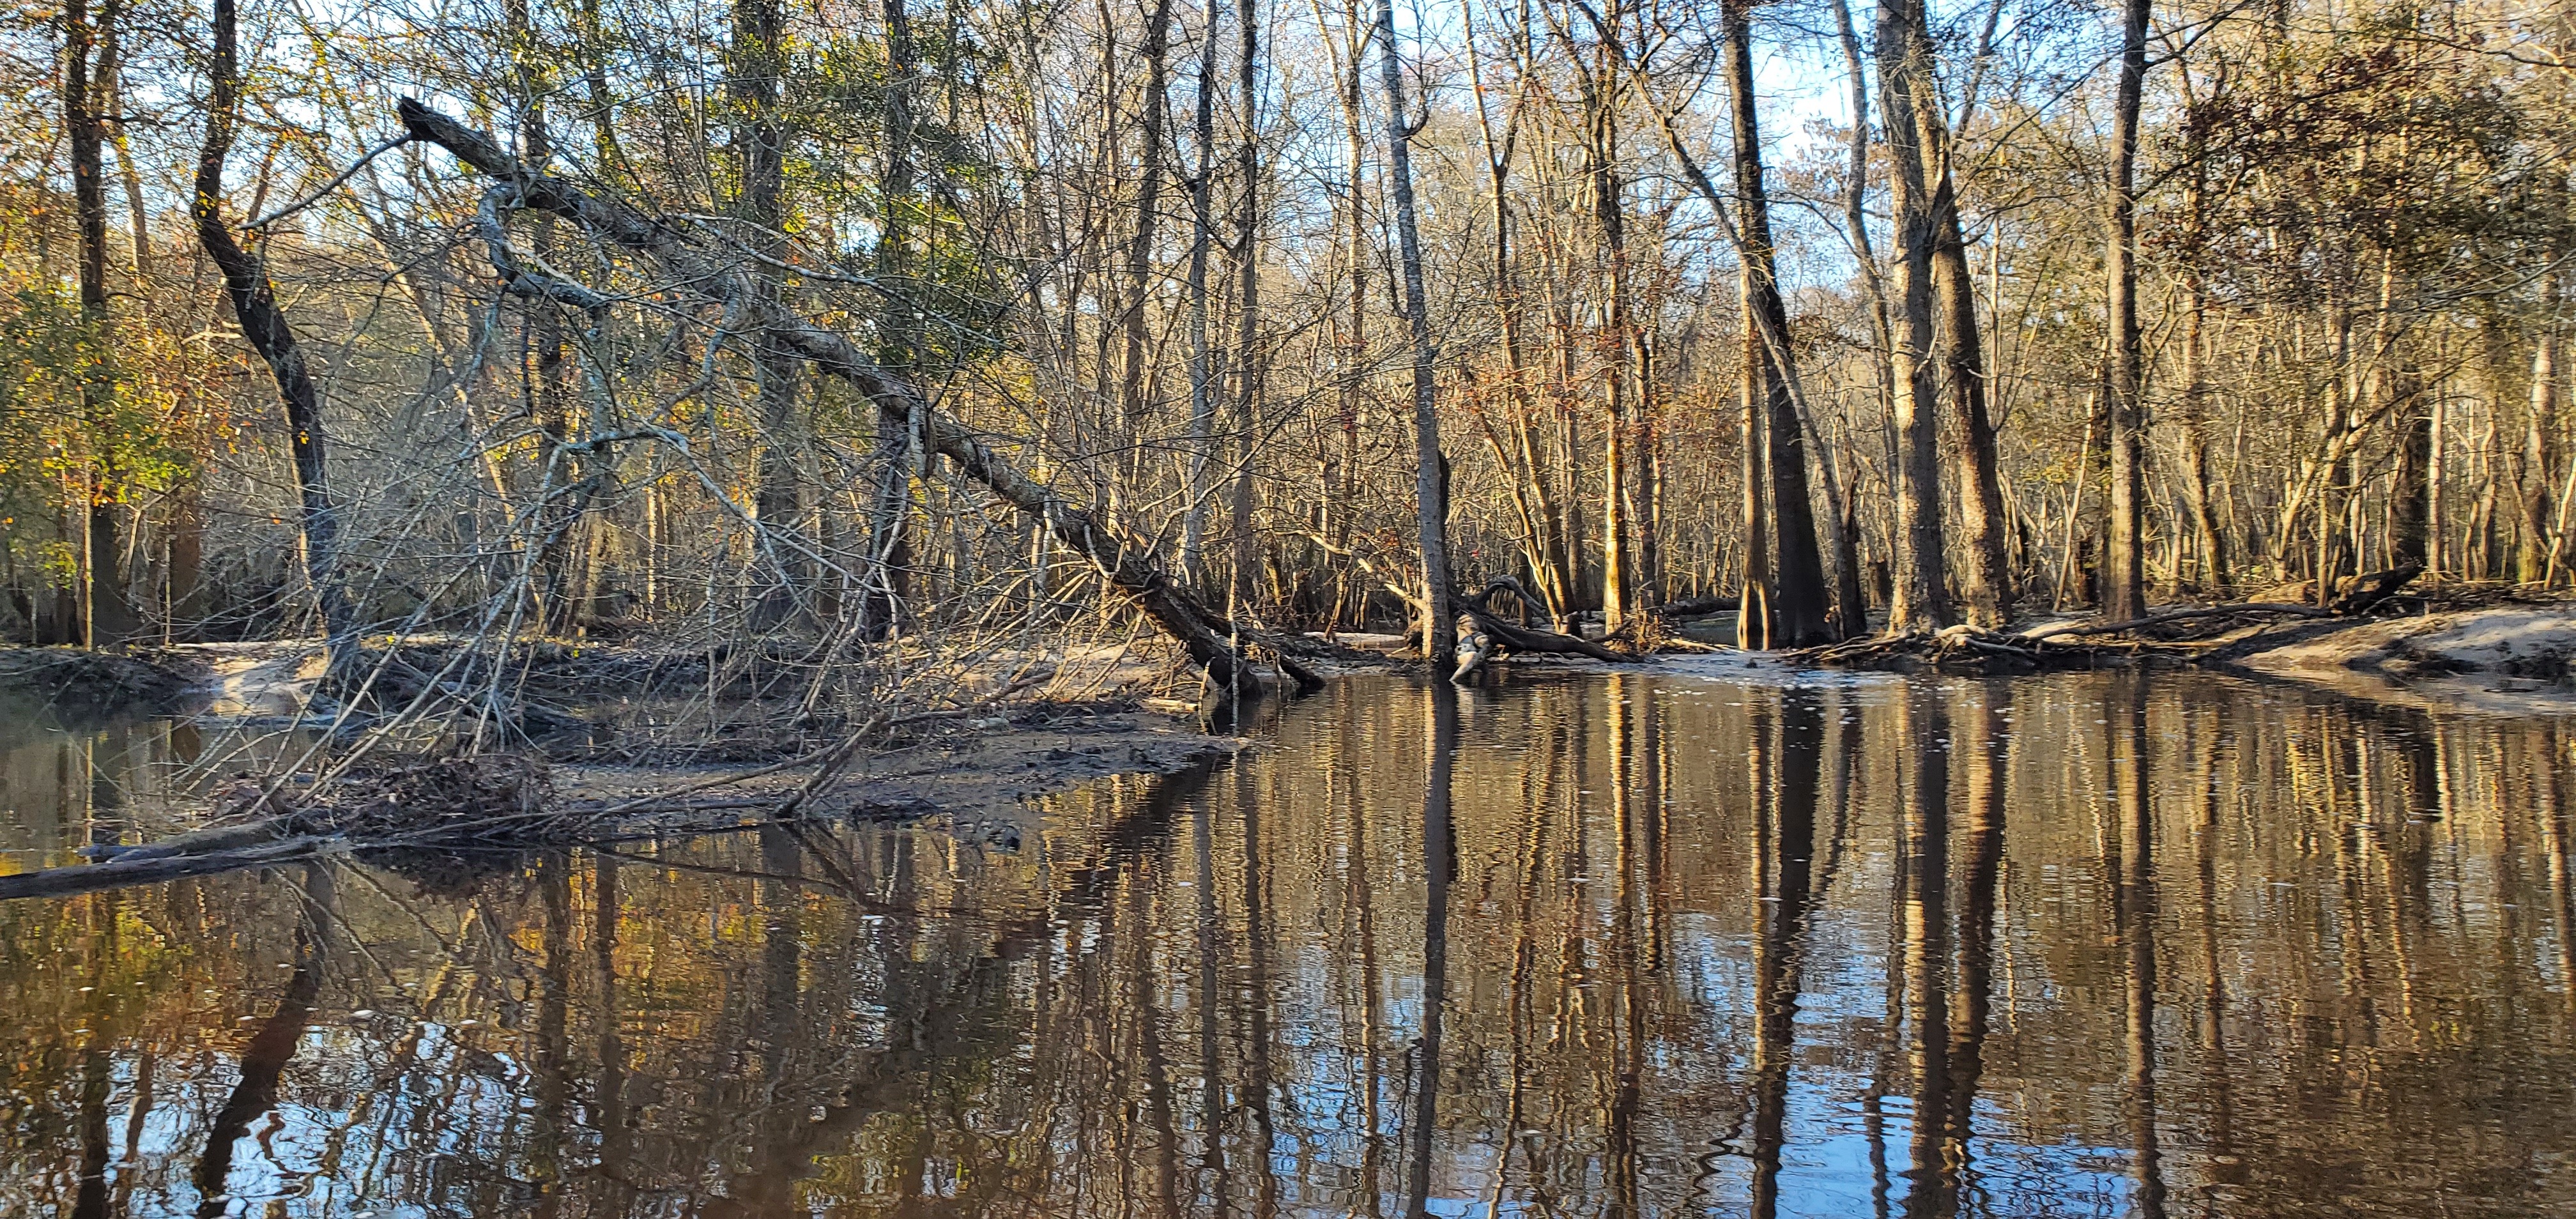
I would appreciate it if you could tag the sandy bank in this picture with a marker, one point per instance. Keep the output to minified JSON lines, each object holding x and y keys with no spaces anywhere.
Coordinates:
{"x":2501,"y":660}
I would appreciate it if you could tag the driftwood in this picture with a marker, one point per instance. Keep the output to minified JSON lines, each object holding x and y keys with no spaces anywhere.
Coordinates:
{"x":1700,"y":607}
{"x":2066,"y":630}
{"x":1506,"y":637}
{"x":1126,"y":562}
{"x":2072,"y":643}
{"x":2367,"y":592}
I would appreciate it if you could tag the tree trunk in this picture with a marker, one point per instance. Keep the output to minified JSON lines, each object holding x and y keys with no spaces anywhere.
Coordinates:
{"x":2531,"y":559}
{"x":264,"y":326}
{"x":1248,"y":361}
{"x":2215,"y":573}
{"x":1851,"y":613}
{"x":543,"y":334}
{"x":1601,"y":173}
{"x":106,"y":618}
{"x":1905,"y":64}
{"x":1987,"y":582}
{"x":2124,"y":592}
{"x":1203,"y":375}
{"x":1430,"y":481}
{"x":1793,"y":581}
{"x":758,"y":68}
{"x":1149,"y":204}
{"x":886,"y":574}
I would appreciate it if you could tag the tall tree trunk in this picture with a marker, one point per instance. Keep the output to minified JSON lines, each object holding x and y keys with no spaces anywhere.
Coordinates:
{"x":546,"y":400}
{"x":1430,"y":481}
{"x":1601,"y":173}
{"x":2215,"y":572}
{"x":106,"y":618}
{"x":1350,"y":327}
{"x":2124,"y":591}
{"x":1987,"y":580}
{"x":1922,"y":595}
{"x":1851,"y":613}
{"x":886,"y":577}
{"x":1149,"y":205}
{"x":1249,"y":362}
{"x":1203,"y":374}
{"x":263,"y":325}
{"x":757,"y":68}
{"x":1793,"y":584}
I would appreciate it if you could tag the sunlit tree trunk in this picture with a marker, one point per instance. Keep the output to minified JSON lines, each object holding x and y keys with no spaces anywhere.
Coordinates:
{"x":264,"y":326}
{"x":1203,"y":374}
{"x":2124,"y":592}
{"x":1780,"y":516}
{"x":1430,"y":478}
{"x":1905,"y":68}
{"x":1850,"y":610}
{"x":2531,"y":559}
{"x":1602,"y":182}
{"x":87,"y":60}
{"x":2211,"y":541}
{"x":1986,"y":582}
{"x":1250,"y":361}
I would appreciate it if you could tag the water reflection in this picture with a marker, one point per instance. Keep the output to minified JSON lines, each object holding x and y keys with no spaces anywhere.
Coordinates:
{"x":1636,"y":944}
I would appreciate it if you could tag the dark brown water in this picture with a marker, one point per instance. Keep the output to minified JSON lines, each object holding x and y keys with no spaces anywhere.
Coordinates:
{"x":1682,"y":942}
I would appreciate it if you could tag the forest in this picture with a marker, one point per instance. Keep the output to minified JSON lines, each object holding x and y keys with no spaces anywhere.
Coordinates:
{"x":913,"y":334}
{"x":685,"y":528}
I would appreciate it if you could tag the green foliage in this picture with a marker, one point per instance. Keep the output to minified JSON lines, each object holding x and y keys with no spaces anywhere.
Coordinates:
{"x":83,"y":418}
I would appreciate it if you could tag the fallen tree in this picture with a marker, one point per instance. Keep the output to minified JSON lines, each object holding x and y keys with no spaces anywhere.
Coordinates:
{"x":2177,"y":633}
{"x":1494,"y":634}
{"x":1126,"y":563}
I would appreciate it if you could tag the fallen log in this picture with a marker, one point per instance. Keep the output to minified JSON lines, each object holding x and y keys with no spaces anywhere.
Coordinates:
{"x":1126,"y":562}
{"x":2367,"y":592}
{"x":2070,"y":629}
{"x":144,"y":869}
{"x":1511,"y":638}
{"x":2066,"y":643}
{"x":1700,"y":607}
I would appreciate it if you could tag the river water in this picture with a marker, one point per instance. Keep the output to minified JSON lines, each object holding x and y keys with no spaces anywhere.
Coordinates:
{"x":1705,"y":938}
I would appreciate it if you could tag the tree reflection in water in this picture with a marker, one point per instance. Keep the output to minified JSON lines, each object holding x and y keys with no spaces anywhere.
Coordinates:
{"x":1638,"y":944}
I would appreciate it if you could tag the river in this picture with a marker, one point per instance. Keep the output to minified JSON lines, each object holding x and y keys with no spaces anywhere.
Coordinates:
{"x":1700,"y":938}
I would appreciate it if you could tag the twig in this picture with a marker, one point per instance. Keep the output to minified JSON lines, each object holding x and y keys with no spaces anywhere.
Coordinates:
{"x":334,"y":184}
